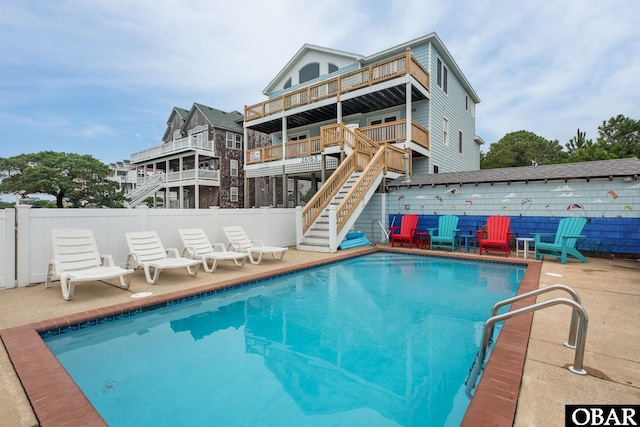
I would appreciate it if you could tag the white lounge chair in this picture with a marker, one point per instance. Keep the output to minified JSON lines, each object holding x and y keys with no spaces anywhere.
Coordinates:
{"x":76,"y":259}
{"x":196,"y":245}
{"x":239,"y":241}
{"x":146,"y":251}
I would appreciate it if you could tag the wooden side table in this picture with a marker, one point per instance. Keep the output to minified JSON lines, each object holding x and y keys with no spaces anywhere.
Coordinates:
{"x":422,"y":239}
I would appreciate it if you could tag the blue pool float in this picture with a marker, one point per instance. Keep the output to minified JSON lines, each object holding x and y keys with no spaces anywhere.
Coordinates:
{"x":354,"y":239}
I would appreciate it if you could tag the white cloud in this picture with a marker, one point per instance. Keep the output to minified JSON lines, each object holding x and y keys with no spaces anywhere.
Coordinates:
{"x":563,"y":188}
{"x":476,"y":196}
{"x":568,"y":195}
{"x":545,"y":67}
{"x":511,"y":196}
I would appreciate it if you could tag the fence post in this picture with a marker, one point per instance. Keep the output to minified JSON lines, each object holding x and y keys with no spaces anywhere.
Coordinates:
{"x":299,"y":233}
{"x":8,"y":262}
{"x":23,"y":249}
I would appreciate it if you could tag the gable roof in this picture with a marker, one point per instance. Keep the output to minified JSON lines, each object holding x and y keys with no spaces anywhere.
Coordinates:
{"x":435,"y":40}
{"x":175,"y":111}
{"x":396,"y":50}
{"x":582,"y":170}
{"x":229,"y":121}
{"x":303,"y":50}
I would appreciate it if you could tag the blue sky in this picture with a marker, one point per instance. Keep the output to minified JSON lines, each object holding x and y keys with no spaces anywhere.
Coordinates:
{"x":100,"y":77}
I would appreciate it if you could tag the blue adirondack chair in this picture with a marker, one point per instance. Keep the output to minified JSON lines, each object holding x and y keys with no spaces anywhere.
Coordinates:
{"x":445,"y":235}
{"x":564,"y":244}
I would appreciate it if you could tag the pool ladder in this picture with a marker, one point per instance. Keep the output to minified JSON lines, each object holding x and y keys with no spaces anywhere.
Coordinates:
{"x":384,"y":232}
{"x":577,"y":329}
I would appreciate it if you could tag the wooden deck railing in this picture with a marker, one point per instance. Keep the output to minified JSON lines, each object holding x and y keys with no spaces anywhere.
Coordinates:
{"x":366,"y":76}
{"x":396,"y":131}
{"x":360,"y":156}
{"x":340,"y":135}
{"x":387,"y":157}
{"x":293,"y":149}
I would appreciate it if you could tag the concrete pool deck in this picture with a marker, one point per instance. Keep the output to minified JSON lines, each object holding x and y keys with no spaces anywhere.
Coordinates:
{"x":610,"y":291}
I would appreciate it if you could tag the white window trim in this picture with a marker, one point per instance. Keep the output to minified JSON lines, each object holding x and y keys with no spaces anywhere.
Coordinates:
{"x":298,"y":136}
{"x":233,"y":194}
{"x":382,"y":118}
{"x":445,"y":131}
{"x":233,"y":141}
{"x":231,"y":167}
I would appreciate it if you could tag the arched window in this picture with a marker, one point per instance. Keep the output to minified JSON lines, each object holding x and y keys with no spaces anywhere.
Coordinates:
{"x":309,"y":72}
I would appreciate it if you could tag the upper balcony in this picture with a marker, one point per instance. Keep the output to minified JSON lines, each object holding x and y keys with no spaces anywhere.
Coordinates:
{"x":342,"y":88}
{"x":390,"y":132}
{"x":189,"y":143}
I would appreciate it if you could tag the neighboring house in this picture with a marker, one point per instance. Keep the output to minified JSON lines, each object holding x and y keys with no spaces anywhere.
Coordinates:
{"x":406,"y":109}
{"x":124,"y":174}
{"x":200,"y":163}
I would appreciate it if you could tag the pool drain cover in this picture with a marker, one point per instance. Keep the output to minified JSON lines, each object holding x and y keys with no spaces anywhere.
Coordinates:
{"x":142,"y":295}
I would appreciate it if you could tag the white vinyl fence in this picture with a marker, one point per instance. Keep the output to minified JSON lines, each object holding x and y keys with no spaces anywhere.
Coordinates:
{"x":26,"y":233}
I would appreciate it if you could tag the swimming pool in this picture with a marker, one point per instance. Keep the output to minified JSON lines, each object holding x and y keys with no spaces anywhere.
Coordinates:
{"x":384,"y":339}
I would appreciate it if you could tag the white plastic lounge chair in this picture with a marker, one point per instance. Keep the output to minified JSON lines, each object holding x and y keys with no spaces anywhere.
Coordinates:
{"x":196,"y":245}
{"x":76,"y":259}
{"x":147,"y":252}
{"x":239,"y":241}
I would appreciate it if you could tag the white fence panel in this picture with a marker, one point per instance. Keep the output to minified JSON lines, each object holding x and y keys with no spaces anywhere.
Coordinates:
{"x":274,"y":226}
{"x":7,"y":248}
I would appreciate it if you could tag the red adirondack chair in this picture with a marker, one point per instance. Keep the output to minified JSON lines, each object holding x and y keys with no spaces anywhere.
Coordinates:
{"x":405,"y":233}
{"x":496,"y":237}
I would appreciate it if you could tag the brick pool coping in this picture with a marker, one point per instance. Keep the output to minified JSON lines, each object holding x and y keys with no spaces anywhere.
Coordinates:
{"x":57,"y":400}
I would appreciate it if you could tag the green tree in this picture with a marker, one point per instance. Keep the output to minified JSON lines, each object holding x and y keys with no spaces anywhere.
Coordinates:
{"x":78,"y":179}
{"x":581,"y":149}
{"x":522,"y":148}
{"x":620,"y":137}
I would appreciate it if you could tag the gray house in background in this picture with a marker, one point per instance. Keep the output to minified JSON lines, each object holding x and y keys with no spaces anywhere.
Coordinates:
{"x":200,"y":163}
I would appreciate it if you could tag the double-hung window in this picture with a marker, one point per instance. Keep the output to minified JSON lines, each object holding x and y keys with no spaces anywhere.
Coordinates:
{"x":442,"y":75}
{"x":233,"y":167}
{"x":233,"y":194}
{"x":234,"y":141}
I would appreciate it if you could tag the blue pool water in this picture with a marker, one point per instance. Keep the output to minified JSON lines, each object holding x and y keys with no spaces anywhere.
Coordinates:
{"x":379,"y":340}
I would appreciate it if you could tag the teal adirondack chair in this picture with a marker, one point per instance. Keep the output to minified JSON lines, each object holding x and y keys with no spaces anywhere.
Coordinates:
{"x":445,"y":235}
{"x":564,"y":244}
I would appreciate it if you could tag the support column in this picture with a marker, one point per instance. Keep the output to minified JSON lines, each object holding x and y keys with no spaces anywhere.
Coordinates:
{"x":285,"y":202}
{"x":409,"y":110}
{"x":245,"y":146}
{"x":196,"y":190}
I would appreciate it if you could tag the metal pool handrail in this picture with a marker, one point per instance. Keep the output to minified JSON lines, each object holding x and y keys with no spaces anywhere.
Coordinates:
{"x":576,"y":368}
{"x":573,"y":328}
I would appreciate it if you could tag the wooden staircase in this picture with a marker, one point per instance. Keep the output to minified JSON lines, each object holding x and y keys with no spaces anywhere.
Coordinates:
{"x":327,"y":218}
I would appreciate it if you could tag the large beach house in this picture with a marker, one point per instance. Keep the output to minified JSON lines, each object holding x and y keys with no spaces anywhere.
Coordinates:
{"x":344,"y":123}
